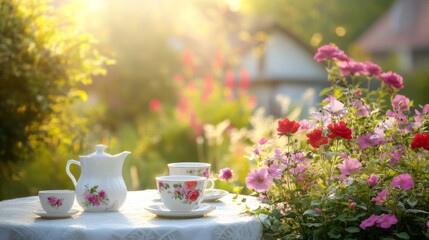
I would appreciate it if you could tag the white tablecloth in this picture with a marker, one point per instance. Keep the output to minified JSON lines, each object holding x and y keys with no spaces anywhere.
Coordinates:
{"x":17,"y":221}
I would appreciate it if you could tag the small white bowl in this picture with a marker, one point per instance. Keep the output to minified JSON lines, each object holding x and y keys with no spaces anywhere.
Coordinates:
{"x":56,"y":201}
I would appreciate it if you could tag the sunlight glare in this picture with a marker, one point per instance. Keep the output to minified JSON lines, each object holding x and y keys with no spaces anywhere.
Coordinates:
{"x":340,"y":31}
{"x":94,"y":4}
{"x":234,"y":5}
{"x":316,"y":39}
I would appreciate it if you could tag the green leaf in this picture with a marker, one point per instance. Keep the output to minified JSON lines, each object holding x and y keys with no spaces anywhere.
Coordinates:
{"x":93,"y":189}
{"x":318,"y":234}
{"x":277,"y":181}
{"x":352,"y":229}
{"x":311,"y":212}
{"x":403,"y":235}
{"x":291,"y":214}
{"x":334,"y":234}
{"x":412,"y":203}
{"x":362,"y":206}
{"x":342,"y":217}
{"x":325,"y":91}
{"x":415,"y":211}
{"x":401,"y":205}
{"x":276,"y":214}
{"x":312,"y":224}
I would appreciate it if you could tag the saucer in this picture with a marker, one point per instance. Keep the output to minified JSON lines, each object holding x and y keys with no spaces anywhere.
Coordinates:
{"x":214,"y":194}
{"x":161,"y":211}
{"x":44,"y":214}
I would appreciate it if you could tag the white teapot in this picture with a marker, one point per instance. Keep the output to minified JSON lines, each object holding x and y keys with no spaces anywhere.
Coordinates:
{"x":100,"y":186}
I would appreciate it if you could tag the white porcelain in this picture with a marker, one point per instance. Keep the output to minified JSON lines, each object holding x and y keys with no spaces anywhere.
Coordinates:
{"x":101,"y":186}
{"x":44,"y":214}
{"x":192,"y":168}
{"x":181,"y":192}
{"x":214,"y":194}
{"x":56,"y":201}
{"x":161,"y":211}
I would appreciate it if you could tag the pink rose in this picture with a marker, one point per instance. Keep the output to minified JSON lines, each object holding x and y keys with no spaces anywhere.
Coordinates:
{"x":102,"y":194}
{"x":52,"y":200}
{"x":91,"y":198}
{"x":59,"y":202}
{"x":192,"y":195}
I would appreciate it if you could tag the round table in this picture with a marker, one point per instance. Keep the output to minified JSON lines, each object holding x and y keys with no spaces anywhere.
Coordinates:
{"x":17,"y":221}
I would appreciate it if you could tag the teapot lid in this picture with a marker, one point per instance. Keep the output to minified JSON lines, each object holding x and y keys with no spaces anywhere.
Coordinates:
{"x":99,"y":151}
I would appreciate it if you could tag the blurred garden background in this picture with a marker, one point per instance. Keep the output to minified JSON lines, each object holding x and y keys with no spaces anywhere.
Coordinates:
{"x":170,"y":81}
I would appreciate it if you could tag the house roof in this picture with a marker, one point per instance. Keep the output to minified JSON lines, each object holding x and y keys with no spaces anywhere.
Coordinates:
{"x":404,"y":25}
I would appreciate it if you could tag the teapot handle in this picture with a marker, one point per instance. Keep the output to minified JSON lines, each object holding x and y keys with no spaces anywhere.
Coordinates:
{"x":70,"y":162}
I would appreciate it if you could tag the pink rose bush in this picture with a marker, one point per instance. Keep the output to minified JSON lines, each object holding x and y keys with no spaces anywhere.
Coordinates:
{"x":358,"y":168}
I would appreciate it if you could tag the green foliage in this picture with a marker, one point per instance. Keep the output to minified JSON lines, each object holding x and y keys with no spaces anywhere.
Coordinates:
{"x":417,"y":85}
{"x":44,"y":64}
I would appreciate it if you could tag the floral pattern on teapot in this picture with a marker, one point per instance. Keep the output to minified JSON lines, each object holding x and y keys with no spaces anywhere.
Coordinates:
{"x":93,"y":197}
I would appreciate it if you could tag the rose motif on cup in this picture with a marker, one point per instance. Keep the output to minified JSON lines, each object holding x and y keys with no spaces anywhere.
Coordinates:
{"x":192,"y":195}
{"x":199,"y":172}
{"x":94,"y":197}
{"x":164,"y":186}
{"x":187,"y":193}
{"x":55,"y":202}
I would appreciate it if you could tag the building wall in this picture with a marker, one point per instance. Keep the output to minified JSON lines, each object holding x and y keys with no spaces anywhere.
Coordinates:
{"x":287,"y":71}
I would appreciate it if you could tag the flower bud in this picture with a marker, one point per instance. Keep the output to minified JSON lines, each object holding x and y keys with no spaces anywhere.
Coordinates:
{"x":372,"y":180}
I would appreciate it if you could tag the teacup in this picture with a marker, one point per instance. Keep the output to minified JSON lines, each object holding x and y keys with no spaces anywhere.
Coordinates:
{"x":181,"y":192}
{"x":56,"y":201}
{"x":192,"y":168}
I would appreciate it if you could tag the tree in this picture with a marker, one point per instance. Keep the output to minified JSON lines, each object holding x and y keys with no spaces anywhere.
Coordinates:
{"x":44,"y":64}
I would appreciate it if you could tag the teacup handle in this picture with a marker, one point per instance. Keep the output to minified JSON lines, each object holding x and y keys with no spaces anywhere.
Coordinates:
{"x":209,"y":180}
{"x":70,"y":162}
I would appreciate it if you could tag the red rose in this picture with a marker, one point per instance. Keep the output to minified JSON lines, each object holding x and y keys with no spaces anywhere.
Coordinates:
{"x":286,"y":127}
{"x":192,"y":195}
{"x":340,"y":130}
{"x":420,"y":141}
{"x":191,"y":184}
{"x":315,"y":138}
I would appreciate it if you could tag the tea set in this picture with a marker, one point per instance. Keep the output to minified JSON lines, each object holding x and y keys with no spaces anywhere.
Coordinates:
{"x":101,"y":188}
